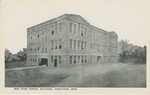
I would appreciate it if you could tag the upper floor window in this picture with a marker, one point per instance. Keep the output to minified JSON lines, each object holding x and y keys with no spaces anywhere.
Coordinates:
{"x":45,"y":50}
{"x":52,"y":44}
{"x":82,"y":31}
{"x":52,"y":59}
{"x":60,"y":44}
{"x":60,"y":27}
{"x":55,"y":27}
{"x":85,"y":45}
{"x":42,"y":50}
{"x":82,"y":45}
{"x":74,"y":28}
{"x":45,"y":39}
{"x":55,"y":44}
{"x":74,"y":44}
{"x":46,"y":29}
{"x":79,"y":29}
{"x":52,"y":29}
{"x":85,"y":32}
{"x":78,"y":44}
{"x":42,"y":39}
{"x":70,"y":27}
{"x":70,"y":43}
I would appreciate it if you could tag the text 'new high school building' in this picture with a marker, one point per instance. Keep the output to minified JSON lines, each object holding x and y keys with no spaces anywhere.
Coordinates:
{"x":70,"y":40}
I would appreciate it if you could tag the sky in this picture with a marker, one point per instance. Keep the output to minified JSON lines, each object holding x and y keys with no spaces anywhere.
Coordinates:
{"x":130,"y":19}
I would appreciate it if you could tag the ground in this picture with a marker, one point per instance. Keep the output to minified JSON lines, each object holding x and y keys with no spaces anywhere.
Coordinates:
{"x":85,"y":75}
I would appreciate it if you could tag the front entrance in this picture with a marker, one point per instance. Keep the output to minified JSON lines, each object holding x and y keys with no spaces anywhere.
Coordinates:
{"x":55,"y":63}
{"x":98,"y":59}
{"x":43,"y":61}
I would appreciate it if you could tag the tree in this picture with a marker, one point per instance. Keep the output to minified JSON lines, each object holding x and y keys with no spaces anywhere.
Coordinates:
{"x":21,"y":55}
{"x":8,"y":56}
{"x":124,"y":50}
{"x":130,"y":51}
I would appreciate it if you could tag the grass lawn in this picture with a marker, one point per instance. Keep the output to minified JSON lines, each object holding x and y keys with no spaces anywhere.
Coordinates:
{"x":118,"y":76}
{"x":16,"y":65}
{"x":91,"y":75}
{"x":31,"y":78}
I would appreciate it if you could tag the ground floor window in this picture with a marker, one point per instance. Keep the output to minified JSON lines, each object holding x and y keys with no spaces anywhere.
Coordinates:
{"x":78,"y":59}
{"x":52,"y":59}
{"x":59,"y":59}
{"x":70,"y":59}
{"x":74,"y":59}
{"x":85,"y":59}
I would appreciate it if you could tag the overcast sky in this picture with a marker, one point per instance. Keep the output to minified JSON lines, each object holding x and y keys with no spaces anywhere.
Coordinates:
{"x":130,"y":19}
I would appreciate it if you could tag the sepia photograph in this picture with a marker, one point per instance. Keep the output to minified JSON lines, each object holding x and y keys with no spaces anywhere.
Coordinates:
{"x":75,"y":44}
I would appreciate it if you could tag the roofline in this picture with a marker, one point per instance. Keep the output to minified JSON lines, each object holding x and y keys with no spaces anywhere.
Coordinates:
{"x":67,"y":16}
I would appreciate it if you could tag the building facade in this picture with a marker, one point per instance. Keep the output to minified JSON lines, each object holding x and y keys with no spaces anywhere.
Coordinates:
{"x":70,"y":40}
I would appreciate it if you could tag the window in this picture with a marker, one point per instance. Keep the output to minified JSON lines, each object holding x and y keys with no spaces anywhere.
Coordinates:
{"x":93,"y":34}
{"x":38,"y":48}
{"x":74,"y":59}
{"x":52,"y":29}
{"x":42,"y":40}
{"x":38,"y":35}
{"x":78,"y":59}
{"x":71,"y":27}
{"x":93,"y":47}
{"x":31,"y":37}
{"x":85,"y":46}
{"x":70,"y":59}
{"x":78,"y":44}
{"x":85,"y":59}
{"x":52,"y":44}
{"x":52,"y":32}
{"x":45,"y":50}
{"x":46,"y":30}
{"x":79,"y":29}
{"x":82,"y":45}
{"x":52,"y":59}
{"x":74,"y":44}
{"x":85,"y":32}
{"x":82,"y":59}
{"x":74,"y":28}
{"x":45,"y":39}
{"x":55,"y":44}
{"x":59,"y":59}
{"x":82,"y":31}
{"x":70,"y":43}
{"x":42,"y":50}
{"x":55,"y":27}
{"x":60,"y":44}
{"x":59,"y":27}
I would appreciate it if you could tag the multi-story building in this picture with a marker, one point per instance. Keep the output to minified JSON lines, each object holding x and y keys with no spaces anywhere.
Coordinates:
{"x":70,"y":40}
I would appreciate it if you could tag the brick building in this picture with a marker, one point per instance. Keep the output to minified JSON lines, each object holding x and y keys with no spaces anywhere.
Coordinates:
{"x":70,"y":40}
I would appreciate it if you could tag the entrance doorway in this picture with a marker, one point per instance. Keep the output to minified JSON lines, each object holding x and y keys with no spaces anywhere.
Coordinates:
{"x":43,"y":61}
{"x":55,"y":63}
{"x":98,"y":59}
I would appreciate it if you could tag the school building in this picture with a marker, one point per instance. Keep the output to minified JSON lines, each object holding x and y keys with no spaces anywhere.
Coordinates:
{"x":70,"y":40}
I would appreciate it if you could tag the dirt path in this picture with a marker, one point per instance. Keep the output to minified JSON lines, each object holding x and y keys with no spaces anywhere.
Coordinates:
{"x":21,"y":68}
